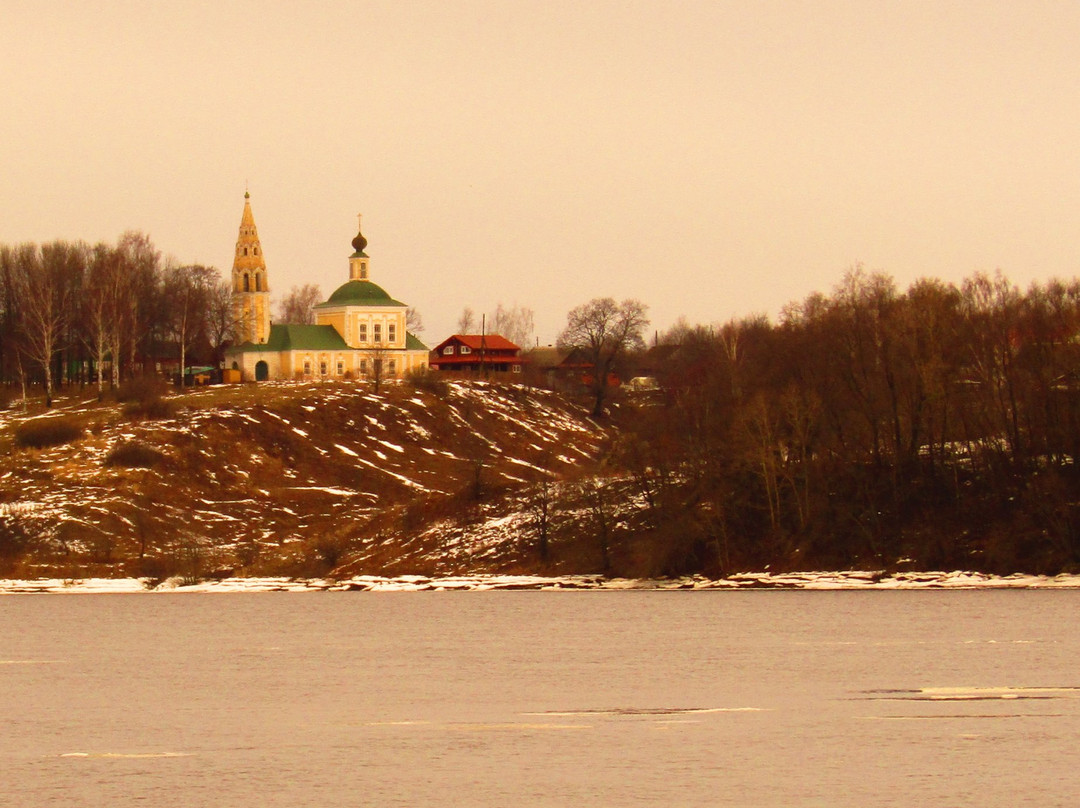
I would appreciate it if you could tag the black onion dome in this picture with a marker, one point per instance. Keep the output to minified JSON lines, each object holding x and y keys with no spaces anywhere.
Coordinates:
{"x":359,"y":242}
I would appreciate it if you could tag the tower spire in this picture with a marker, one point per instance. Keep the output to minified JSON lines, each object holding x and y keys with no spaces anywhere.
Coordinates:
{"x":251,"y":291}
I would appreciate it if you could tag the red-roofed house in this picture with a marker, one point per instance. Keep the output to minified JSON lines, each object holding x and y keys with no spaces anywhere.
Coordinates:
{"x":476,"y":353}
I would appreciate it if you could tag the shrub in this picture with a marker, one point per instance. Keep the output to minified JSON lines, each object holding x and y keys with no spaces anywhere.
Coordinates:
{"x":13,"y":536}
{"x":152,"y":409}
{"x":42,"y":432}
{"x":141,"y":389}
{"x":143,"y":397}
{"x":6,"y":396}
{"x":428,"y":380}
{"x":133,"y":455}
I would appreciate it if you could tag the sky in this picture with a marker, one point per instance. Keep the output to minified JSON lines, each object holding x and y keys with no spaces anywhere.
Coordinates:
{"x":712,"y":159}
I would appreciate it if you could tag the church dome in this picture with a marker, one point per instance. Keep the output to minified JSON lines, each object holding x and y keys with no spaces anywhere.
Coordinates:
{"x":361,"y":293}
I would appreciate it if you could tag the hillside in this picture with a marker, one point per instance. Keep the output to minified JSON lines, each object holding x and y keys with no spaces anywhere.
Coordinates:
{"x":296,"y":479}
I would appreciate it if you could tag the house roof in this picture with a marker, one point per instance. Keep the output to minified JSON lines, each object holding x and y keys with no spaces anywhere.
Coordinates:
{"x":490,"y":342}
{"x":359,"y":293}
{"x":287,"y":337}
{"x":413,"y":343}
{"x":549,"y":356}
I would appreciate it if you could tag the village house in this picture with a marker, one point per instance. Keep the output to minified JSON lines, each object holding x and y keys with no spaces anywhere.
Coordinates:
{"x":359,"y":330}
{"x":477,"y":353}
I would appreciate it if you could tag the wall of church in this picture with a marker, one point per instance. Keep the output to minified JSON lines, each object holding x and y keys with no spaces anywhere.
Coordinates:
{"x":328,"y":364}
{"x":252,"y":313}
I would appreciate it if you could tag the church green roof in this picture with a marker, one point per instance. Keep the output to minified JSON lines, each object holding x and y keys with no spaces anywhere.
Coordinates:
{"x":413,"y":343}
{"x":360,"y":293}
{"x":298,"y":338}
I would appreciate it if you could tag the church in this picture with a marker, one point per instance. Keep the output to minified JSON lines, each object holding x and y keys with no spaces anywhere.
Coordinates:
{"x":360,"y":331}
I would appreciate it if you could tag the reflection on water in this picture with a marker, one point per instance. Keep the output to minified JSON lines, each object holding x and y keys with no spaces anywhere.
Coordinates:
{"x":541,"y":699}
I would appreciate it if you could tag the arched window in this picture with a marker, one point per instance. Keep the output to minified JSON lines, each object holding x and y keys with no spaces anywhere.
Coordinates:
{"x":255,"y":250}
{"x":258,"y":281}
{"x":245,"y":250}
{"x":247,"y":283}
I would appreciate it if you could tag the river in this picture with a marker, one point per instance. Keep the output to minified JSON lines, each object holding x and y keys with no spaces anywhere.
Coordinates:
{"x":594,"y":698}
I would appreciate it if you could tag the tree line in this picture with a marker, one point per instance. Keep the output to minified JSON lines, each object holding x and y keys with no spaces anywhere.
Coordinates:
{"x":937,"y":427}
{"x":72,"y":313}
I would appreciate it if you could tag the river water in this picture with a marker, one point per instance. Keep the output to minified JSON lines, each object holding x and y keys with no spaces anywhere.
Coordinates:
{"x":541,"y":699}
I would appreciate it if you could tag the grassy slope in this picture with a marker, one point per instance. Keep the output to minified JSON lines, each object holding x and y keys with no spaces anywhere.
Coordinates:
{"x":297,"y":479}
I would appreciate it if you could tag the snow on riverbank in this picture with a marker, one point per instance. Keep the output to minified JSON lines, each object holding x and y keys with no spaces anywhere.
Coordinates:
{"x":416,"y":583}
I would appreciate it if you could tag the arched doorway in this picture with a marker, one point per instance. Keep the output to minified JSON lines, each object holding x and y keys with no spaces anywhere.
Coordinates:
{"x":236,"y":366}
{"x":262,"y":371}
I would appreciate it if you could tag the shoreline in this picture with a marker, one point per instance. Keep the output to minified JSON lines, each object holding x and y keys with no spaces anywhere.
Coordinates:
{"x":828,"y":581}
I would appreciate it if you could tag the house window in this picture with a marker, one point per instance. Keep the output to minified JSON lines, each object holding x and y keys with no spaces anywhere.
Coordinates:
{"x":517,"y":368}
{"x":465,"y":349}
{"x":340,"y":368}
{"x":391,"y":333}
{"x":363,"y":332}
{"x":378,"y":332}
{"x":448,"y":350}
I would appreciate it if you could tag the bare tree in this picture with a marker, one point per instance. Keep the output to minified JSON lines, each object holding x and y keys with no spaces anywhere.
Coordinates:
{"x":46,"y":312}
{"x":298,"y":307}
{"x":541,"y":506}
{"x":466,"y":323}
{"x":516,"y":323}
{"x":378,"y":357}
{"x":141,"y":313}
{"x":604,"y":331}
{"x":220,"y":317}
{"x":414,"y":323}
{"x":101,"y":307}
{"x":187,"y":290}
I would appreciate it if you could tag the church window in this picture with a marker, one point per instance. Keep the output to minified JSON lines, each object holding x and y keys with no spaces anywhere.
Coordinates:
{"x":340,"y":368}
{"x":258,"y":282}
{"x":307,"y":367}
{"x":363,"y":366}
{"x":247,"y":283}
{"x":245,"y":250}
{"x":322,"y":368}
{"x":363,"y":332}
{"x":391,"y":333}
{"x":378,"y":332}
{"x":392,"y":367}
{"x":255,"y":250}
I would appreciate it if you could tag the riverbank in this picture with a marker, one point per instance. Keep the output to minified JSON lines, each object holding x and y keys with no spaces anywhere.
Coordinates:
{"x":849,"y":580}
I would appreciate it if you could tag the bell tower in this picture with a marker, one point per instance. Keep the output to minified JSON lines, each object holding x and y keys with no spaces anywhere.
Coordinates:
{"x":251,"y":292}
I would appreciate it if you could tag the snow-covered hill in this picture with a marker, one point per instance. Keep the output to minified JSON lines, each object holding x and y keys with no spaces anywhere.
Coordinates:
{"x":290,"y":478}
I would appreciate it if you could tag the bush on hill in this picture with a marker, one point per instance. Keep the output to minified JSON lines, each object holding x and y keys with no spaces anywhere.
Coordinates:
{"x":133,"y":455}
{"x":144,"y":398}
{"x":42,"y":432}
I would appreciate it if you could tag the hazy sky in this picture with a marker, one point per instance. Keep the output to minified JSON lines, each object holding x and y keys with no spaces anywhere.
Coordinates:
{"x":713,"y":159}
